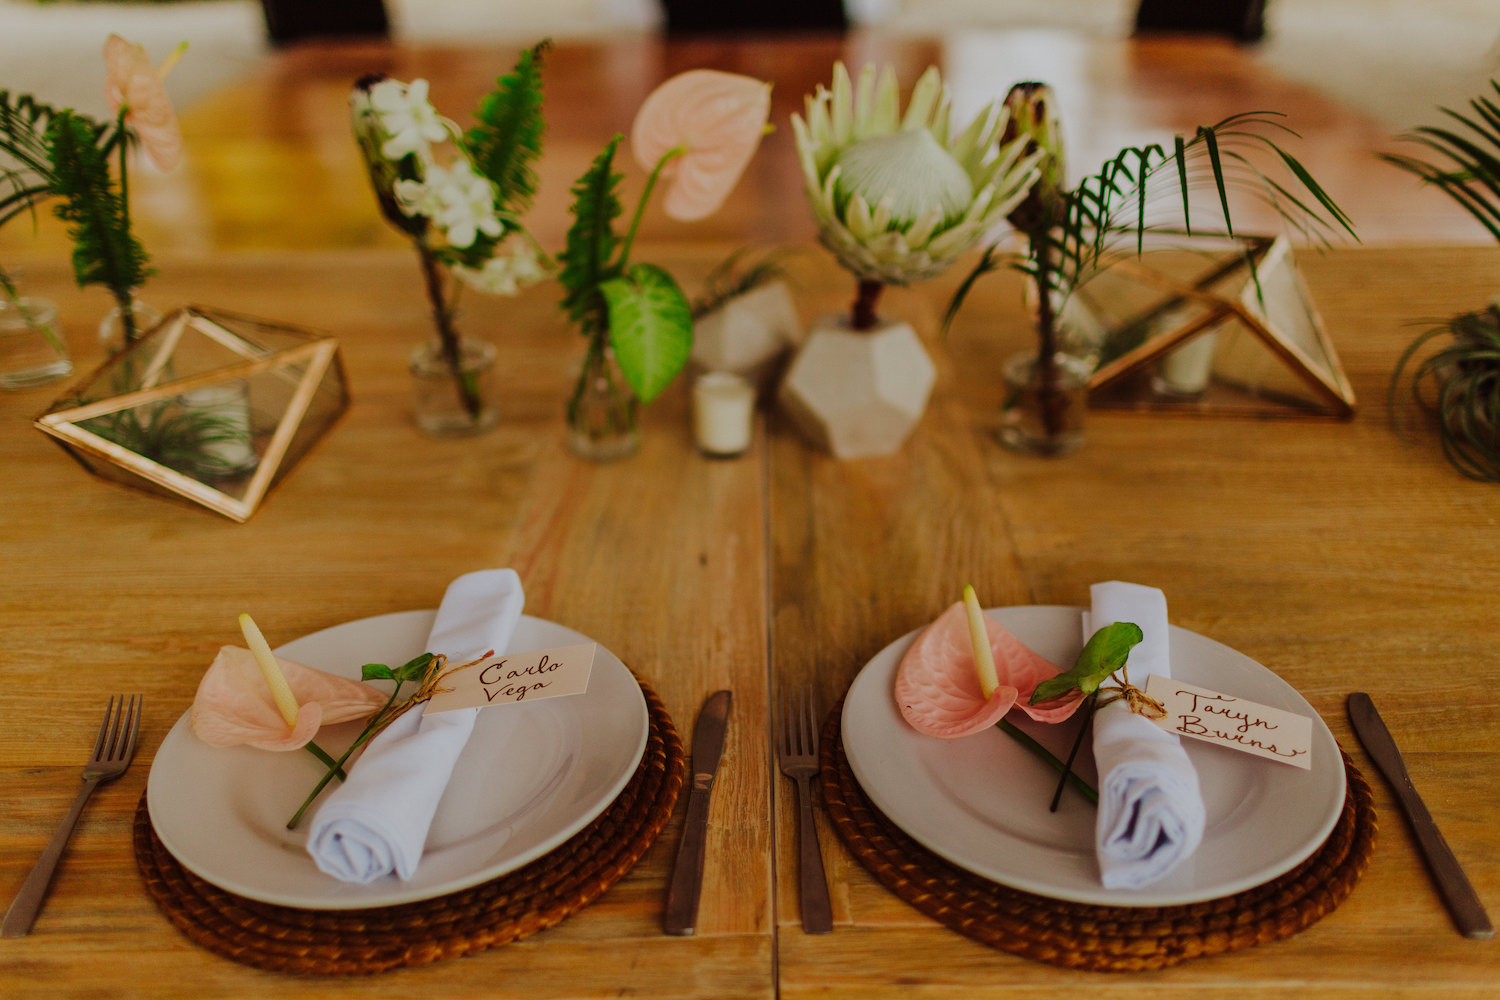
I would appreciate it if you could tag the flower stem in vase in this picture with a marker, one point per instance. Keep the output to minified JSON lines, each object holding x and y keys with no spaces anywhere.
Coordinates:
{"x":1052,"y":401}
{"x":442,"y":315}
{"x":864,"y":304}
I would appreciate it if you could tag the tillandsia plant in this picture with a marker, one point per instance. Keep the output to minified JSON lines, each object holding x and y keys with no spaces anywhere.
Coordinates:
{"x":1460,"y":382}
{"x":899,"y":197}
{"x":736,"y":275}
{"x":463,"y":216}
{"x":1072,"y":234}
{"x":695,"y":134}
{"x":60,"y":153}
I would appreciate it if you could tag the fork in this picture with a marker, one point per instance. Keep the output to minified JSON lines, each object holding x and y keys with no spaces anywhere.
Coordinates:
{"x":113,"y":749}
{"x":797,"y":753}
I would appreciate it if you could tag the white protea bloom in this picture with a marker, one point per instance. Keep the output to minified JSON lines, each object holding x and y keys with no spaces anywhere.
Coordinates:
{"x":408,"y":119}
{"x":505,"y":273}
{"x":898,"y":198}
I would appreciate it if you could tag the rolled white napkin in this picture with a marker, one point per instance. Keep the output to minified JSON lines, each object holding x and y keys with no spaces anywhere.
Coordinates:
{"x":376,"y":822}
{"x":1150,"y":807}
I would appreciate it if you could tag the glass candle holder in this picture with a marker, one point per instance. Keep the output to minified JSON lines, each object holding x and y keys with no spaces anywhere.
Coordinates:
{"x":723,"y":414}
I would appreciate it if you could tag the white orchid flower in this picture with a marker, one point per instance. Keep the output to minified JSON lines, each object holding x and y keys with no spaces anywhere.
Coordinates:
{"x":458,"y":200}
{"x":898,"y":198}
{"x":505,"y":273}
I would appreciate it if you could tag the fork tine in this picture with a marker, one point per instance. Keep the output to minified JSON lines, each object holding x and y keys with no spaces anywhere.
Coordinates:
{"x":137,"y":702}
{"x":99,"y":741}
{"x":812,"y":726}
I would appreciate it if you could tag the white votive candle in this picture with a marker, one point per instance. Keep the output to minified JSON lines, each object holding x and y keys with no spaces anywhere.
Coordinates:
{"x":723,"y":413}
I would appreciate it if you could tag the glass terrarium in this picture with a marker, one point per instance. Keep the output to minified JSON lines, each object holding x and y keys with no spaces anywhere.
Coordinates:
{"x":208,"y":406}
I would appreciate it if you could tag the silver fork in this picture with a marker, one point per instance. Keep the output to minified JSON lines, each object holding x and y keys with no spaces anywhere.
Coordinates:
{"x":797,"y":753}
{"x":113,"y":749}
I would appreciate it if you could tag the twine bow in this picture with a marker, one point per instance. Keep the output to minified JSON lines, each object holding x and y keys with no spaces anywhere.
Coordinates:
{"x":1137,"y":700}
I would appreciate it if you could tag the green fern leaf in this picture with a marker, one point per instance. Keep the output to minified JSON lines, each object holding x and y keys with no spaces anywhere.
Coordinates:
{"x":508,"y":137}
{"x":591,"y":241}
{"x":105,"y":252}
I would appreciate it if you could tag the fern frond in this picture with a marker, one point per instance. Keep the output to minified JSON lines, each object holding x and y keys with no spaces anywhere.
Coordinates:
{"x":590,"y":246}
{"x":508,"y":136}
{"x":105,"y":252}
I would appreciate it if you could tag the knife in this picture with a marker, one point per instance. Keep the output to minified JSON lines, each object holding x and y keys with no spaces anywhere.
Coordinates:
{"x":1458,"y":895}
{"x":687,"y":875}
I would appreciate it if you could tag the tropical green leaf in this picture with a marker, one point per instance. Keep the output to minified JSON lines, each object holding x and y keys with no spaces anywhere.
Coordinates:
{"x":376,"y":672}
{"x":507,"y":138}
{"x":591,"y":241}
{"x":1473,"y":180}
{"x":650,"y":328}
{"x":1104,"y":653}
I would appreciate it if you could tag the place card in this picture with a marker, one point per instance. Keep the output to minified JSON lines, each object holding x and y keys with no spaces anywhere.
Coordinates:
{"x":516,"y":677}
{"x":1201,"y":714}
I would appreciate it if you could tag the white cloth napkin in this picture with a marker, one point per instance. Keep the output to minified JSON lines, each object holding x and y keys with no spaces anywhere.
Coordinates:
{"x":1150,"y":807}
{"x":376,"y":822}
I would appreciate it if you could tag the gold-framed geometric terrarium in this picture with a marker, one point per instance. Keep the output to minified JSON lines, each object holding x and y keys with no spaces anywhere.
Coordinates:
{"x":1223,"y":327}
{"x":208,"y":406}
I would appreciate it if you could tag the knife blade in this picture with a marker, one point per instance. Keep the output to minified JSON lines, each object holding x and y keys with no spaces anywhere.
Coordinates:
{"x":681,"y":914}
{"x":1458,"y":894}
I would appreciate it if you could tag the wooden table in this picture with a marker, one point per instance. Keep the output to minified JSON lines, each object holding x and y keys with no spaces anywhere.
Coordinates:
{"x":1337,"y":554}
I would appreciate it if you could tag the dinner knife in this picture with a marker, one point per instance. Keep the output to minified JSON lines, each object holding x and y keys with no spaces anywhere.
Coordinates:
{"x":681,"y":915}
{"x":1458,"y":895}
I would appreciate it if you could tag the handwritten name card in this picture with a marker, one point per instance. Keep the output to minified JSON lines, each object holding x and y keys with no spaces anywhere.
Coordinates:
{"x":1201,"y":714}
{"x":505,"y":680}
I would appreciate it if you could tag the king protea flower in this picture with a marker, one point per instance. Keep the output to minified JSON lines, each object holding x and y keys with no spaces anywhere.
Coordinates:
{"x":898,"y":198}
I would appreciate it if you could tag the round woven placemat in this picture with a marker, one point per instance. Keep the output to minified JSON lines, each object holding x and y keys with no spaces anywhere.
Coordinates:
{"x":1096,"y":938}
{"x":352,"y":942}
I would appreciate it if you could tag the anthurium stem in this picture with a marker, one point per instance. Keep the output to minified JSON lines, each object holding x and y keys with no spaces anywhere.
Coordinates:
{"x":1083,"y":787}
{"x":1073,"y":753}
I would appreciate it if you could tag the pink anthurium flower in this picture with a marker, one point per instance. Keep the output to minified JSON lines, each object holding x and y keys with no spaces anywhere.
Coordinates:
{"x":937,"y":686}
{"x":234,"y":705}
{"x":133,"y":85}
{"x":716,"y":120}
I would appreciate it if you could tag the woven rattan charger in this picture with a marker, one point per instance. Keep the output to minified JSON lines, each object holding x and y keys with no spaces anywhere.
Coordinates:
{"x":1096,"y":938}
{"x":513,"y":906}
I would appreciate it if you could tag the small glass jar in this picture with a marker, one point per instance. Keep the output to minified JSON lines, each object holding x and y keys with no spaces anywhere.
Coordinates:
{"x":113,"y":336}
{"x":449,"y":405}
{"x":1041,"y":418}
{"x":603,"y":412}
{"x":32,"y":349}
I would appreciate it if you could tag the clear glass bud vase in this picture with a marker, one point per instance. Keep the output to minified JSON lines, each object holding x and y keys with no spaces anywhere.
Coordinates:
{"x":449,"y":404}
{"x":603,"y":410}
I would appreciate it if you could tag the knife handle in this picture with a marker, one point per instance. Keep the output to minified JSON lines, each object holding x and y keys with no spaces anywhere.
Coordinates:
{"x":1452,"y":884}
{"x":681,"y":916}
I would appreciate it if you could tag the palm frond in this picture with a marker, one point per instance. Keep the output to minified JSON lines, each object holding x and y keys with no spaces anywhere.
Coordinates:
{"x":1469,"y":168}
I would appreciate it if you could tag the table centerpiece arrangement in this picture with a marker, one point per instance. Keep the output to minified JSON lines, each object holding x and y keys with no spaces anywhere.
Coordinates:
{"x":463,"y":218}
{"x":898,"y":198}
{"x":695,"y":133}
{"x":1071,"y":235}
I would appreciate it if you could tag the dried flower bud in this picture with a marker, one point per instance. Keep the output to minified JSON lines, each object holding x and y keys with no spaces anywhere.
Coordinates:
{"x":1033,"y":116}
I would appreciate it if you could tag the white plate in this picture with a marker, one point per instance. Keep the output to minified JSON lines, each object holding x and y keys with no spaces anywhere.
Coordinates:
{"x":981,"y":801}
{"x":532,"y":775}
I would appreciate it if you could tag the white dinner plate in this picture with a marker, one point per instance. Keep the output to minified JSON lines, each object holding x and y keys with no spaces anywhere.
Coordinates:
{"x":981,"y":801}
{"x":532,"y":775}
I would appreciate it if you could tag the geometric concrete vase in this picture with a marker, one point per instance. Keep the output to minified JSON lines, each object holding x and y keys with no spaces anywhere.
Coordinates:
{"x":858,"y":394}
{"x":749,"y":333}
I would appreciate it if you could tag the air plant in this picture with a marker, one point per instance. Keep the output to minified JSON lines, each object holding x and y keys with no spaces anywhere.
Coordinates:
{"x":1460,"y":382}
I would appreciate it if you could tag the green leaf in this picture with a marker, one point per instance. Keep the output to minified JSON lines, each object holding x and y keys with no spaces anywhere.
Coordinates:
{"x":376,"y":672}
{"x":413,"y":669}
{"x":508,"y":136}
{"x":591,"y":239}
{"x":1104,"y":653}
{"x":105,"y":252}
{"x":650,"y":328}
